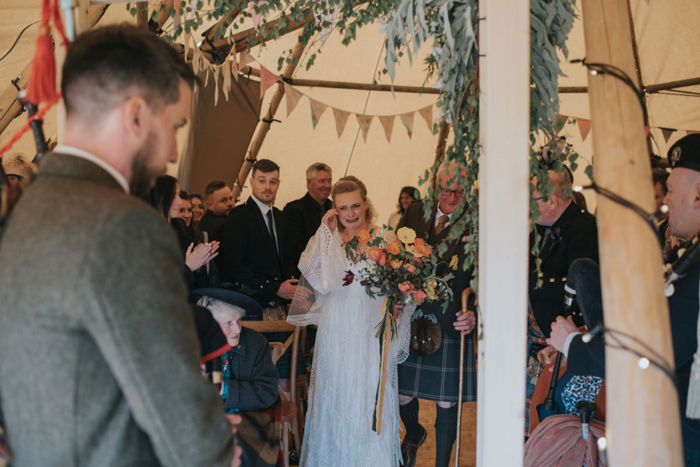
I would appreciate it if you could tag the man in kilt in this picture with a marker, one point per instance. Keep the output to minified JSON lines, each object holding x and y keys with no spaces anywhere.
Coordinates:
{"x":436,"y":376}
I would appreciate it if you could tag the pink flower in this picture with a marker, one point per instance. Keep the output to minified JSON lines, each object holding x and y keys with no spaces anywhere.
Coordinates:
{"x":374,"y":253}
{"x":406,"y":287}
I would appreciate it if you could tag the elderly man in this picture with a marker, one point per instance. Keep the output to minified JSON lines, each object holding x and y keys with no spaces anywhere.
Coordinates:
{"x":303,"y":216}
{"x":100,"y":355}
{"x":436,"y":376}
{"x":683,"y":201}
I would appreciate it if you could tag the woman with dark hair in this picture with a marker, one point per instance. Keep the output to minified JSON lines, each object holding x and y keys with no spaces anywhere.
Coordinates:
{"x":186,"y":210}
{"x":199,"y":208}
{"x":408,"y":195}
{"x":165,"y":197}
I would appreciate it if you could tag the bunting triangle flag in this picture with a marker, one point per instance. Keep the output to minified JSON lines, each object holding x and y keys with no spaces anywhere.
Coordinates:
{"x":667,"y":132}
{"x":226,"y":71}
{"x":388,"y":124}
{"x":559,"y":123}
{"x":584,"y":126}
{"x":341,"y":119}
{"x":267,"y":79}
{"x":292,"y":97}
{"x":407,"y":120}
{"x":244,"y":59}
{"x":217,"y":72}
{"x":317,"y":109}
{"x":427,"y":114}
{"x":365,"y":121}
{"x":234,"y":67}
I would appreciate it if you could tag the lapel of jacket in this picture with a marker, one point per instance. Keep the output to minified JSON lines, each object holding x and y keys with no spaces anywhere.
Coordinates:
{"x":67,"y":166}
{"x":423,"y":227}
{"x":279,"y":223}
{"x":563,"y":223}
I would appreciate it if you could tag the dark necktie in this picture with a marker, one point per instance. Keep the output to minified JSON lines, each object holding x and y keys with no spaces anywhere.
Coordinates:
{"x":271,"y":226}
{"x":442,"y":221}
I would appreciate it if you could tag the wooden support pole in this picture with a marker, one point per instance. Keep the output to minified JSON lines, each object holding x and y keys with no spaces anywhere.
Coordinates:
{"x":643,"y":420}
{"x":264,"y":125}
{"x":504,"y":109}
{"x":142,"y":15}
{"x":317,"y":83}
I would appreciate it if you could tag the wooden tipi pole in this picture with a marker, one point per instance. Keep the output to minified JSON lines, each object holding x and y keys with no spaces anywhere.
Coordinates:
{"x":643,"y":427}
{"x":264,"y":125}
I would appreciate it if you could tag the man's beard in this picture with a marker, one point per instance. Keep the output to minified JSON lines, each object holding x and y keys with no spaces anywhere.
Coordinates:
{"x":142,"y":174}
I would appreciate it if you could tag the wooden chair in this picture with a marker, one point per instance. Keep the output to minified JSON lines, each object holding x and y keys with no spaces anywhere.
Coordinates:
{"x":289,"y":400}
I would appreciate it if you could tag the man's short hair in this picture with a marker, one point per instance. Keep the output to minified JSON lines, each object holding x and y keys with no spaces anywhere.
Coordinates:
{"x":317,"y":167}
{"x":19,"y":161}
{"x":212,"y":187}
{"x":108,"y":65}
{"x":265,"y":166}
{"x":660,"y":176}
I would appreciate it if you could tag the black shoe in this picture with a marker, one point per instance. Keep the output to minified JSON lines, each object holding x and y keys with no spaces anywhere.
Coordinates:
{"x":409,"y":448}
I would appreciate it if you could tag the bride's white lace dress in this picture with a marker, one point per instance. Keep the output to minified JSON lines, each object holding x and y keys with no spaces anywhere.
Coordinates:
{"x":346,"y":365}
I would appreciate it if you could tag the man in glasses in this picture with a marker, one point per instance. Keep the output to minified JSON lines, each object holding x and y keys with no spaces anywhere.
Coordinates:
{"x":436,"y":376}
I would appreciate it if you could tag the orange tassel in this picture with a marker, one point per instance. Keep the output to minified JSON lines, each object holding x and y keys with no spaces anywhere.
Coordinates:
{"x":42,"y":79}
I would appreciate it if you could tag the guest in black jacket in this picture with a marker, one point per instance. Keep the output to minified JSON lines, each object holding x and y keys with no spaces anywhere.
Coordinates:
{"x":303,"y":216}
{"x":567,"y":234}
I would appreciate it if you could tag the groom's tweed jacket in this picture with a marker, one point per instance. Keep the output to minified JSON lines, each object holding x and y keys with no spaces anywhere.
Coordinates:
{"x":99,"y":360}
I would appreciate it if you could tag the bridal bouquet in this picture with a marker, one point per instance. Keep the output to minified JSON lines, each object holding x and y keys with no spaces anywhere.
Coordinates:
{"x":404,"y":271}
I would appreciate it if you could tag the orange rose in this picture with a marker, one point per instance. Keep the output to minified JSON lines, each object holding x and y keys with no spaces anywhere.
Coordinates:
{"x":419,"y":296}
{"x":363,"y":237}
{"x":374,"y":253}
{"x":411,"y":268}
{"x":382,"y":259}
{"x":406,"y":287}
{"x":421,"y":248}
{"x":393,"y":248}
{"x":396,"y":263}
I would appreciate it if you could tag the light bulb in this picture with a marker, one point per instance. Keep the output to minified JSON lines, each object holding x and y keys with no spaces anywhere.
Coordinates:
{"x":643,"y":363}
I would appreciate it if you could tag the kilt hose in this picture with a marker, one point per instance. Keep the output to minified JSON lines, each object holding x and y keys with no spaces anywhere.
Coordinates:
{"x":435,"y":377}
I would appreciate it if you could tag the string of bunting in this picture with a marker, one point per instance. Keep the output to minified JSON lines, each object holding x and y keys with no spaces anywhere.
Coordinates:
{"x":231,"y":66}
{"x":584,"y":127}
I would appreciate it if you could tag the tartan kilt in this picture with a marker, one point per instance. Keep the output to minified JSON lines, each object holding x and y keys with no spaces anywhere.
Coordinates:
{"x":435,"y":377}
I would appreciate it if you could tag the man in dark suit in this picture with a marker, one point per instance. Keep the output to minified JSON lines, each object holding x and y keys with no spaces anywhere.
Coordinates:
{"x":254,"y":251}
{"x":303,"y":216}
{"x":100,"y":355}
{"x":436,"y":376}
{"x":566,"y":234}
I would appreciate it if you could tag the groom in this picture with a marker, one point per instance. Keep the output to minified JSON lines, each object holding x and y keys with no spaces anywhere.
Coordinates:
{"x":436,"y":377}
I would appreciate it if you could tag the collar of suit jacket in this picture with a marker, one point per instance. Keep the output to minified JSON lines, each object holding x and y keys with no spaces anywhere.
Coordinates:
{"x":77,"y":152}
{"x":68,"y":166}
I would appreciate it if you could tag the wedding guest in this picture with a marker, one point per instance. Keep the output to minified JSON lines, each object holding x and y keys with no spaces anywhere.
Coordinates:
{"x":19,"y":169}
{"x":219,"y":201}
{"x":165,"y":196}
{"x":303,"y":216}
{"x":407,"y":195}
{"x":580,"y":200}
{"x":255,"y":253}
{"x":186,"y":210}
{"x":435,"y":377}
{"x":121,"y":383}
{"x":250,"y":380}
{"x":199,"y":208}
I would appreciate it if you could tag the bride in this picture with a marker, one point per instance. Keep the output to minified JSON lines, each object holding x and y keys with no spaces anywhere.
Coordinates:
{"x":346,"y":364}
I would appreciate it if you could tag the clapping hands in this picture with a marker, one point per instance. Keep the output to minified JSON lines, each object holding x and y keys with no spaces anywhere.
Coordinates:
{"x":196,"y":257}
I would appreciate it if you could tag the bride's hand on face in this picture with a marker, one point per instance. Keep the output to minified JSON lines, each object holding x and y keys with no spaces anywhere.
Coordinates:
{"x":331,"y":219}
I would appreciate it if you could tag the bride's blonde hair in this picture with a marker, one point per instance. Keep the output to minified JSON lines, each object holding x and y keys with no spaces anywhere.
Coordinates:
{"x":348,"y":184}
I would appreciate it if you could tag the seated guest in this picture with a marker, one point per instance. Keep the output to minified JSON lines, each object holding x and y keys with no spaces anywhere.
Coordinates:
{"x":303,"y":216}
{"x":250,"y":381}
{"x":165,"y":197}
{"x":408,"y":195}
{"x":19,"y":169}
{"x":199,"y":208}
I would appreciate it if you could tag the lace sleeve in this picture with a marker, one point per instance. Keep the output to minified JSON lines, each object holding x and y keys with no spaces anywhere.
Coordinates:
{"x":321,"y":263}
{"x":403,"y":325}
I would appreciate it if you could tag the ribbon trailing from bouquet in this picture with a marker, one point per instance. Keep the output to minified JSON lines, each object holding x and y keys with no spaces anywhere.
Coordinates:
{"x":385,"y":334}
